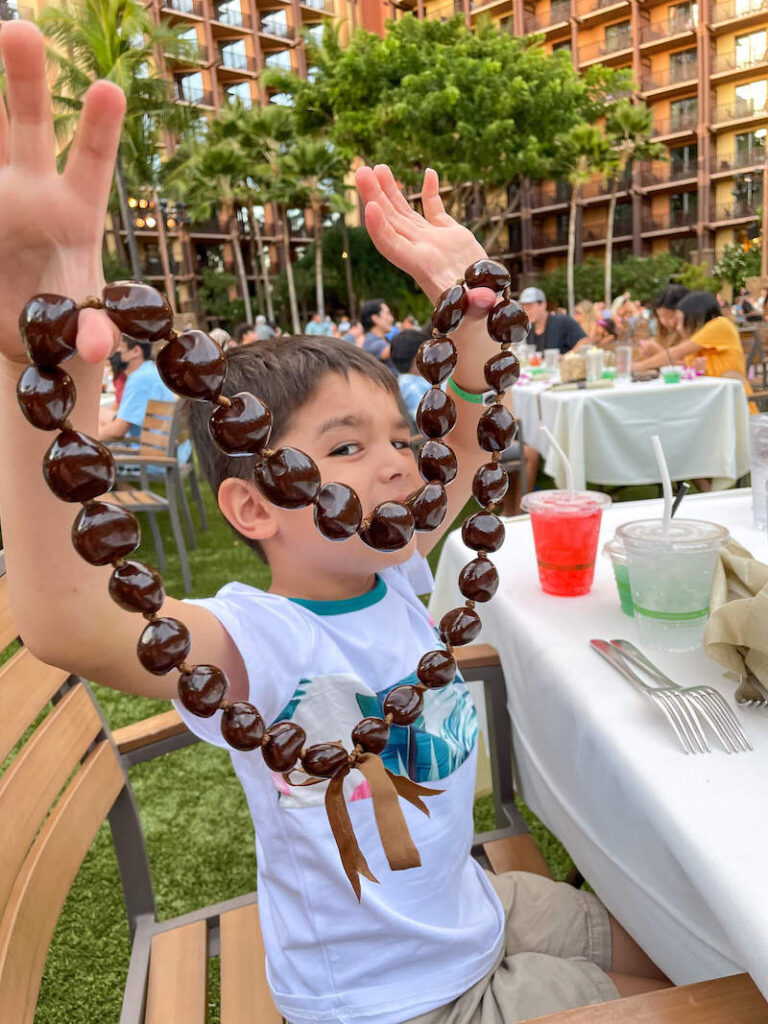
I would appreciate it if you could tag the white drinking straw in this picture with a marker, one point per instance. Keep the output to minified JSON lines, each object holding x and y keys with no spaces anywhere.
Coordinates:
{"x":563,"y":458}
{"x":666,"y":483}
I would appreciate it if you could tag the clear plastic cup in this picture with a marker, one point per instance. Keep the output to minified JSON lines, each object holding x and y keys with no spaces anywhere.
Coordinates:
{"x":623,"y":364}
{"x":594,"y":363}
{"x":671,"y":374}
{"x":552,"y":359}
{"x":614,"y":550}
{"x":758,"y":460}
{"x":670,"y":576}
{"x":566,"y":528}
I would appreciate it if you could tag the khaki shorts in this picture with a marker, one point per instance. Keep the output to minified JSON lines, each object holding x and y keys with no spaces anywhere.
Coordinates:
{"x":557,"y":948}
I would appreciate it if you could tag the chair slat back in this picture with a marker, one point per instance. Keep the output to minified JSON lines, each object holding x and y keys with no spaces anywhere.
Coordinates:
{"x":156,"y":428}
{"x":46,"y":876}
{"x":26,"y":687}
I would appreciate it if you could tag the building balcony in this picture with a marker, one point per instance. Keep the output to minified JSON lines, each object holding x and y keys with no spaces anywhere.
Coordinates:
{"x":154,"y":268}
{"x":612,"y":49}
{"x":729,"y":162}
{"x":558,"y":14}
{"x":739,"y":110}
{"x":212,"y":226}
{"x":550,"y":194}
{"x":549,"y":238}
{"x":737,"y":10}
{"x":15,"y":12}
{"x":194,"y":95}
{"x":731,"y":64}
{"x":671,"y":77}
{"x":229,"y":19}
{"x":193,"y":8}
{"x":593,"y":12}
{"x":277,"y":28}
{"x":601,"y":189}
{"x":661,"y":32}
{"x":238,"y":63}
{"x":311,"y":8}
{"x":680,"y":124}
{"x":680,"y":220}
{"x":671,"y":173}
{"x":735,"y":210}
{"x":195,"y":54}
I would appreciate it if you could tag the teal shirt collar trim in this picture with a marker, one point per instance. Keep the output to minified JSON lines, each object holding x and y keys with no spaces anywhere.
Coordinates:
{"x":349,"y":604}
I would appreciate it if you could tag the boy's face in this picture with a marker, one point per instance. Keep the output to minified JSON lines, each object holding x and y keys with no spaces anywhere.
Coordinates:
{"x":355,"y":433}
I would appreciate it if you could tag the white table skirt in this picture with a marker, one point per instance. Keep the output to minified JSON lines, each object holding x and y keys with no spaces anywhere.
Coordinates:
{"x":606,"y":433}
{"x":674,"y":845}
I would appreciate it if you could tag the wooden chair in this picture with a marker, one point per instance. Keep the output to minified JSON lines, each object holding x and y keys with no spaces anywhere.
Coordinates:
{"x":756,"y":356}
{"x":65,"y":775}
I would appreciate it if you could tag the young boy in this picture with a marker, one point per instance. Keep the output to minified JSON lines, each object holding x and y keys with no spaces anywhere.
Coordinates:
{"x":340,"y":626}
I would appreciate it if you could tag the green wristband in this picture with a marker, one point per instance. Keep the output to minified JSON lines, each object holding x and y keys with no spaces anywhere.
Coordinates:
{"x":468,"y":396}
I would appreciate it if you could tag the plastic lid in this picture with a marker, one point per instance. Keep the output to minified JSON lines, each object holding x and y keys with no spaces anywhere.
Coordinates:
{"x":682,"y":535}
{"x":614,"y":549}
{"x":561,"y":503}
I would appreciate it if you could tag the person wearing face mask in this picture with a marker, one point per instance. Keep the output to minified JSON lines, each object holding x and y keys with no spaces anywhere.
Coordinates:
{"x":142,"y":384}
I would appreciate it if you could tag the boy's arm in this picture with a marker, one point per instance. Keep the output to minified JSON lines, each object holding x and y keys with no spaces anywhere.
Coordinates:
{"x":50,"y":241}
{"x":435,"y":250}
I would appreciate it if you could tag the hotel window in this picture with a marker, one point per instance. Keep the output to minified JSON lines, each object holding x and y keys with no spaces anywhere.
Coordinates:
{"x":683,"y":113}
{"x":233,"y":55}
{"x":750,"y":48}
{"x":279,"y":60}
{"x":239,"y":92}
{"x":682,"y":65}
{"x":191,"y":88}
{"x":276,"y":23}
{"x":682,"y":16}
{"x":751,"y":98}
{"x":684,"y":160}
{"x":750,"y":147}
{"x":618,"y":37}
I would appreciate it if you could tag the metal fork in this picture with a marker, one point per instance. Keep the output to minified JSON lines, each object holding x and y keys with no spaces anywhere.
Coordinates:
{"x":678,"y":711}
{"x":750,"y":692}
{"x":708,"y":701}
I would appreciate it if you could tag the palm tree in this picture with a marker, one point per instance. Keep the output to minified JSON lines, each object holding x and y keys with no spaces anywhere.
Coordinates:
{"x":116,"y":40}
{"x":628,"y":129}
{"x":318,"y":171}
{"x":585,"y":151}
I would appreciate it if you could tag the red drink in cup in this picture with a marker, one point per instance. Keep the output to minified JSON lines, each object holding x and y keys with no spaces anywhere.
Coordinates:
{"x":566,"y":527}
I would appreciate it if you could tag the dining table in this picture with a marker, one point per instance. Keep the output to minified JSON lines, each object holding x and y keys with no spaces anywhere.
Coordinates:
{"x":605,"y":432}
{"x":674,"y":844}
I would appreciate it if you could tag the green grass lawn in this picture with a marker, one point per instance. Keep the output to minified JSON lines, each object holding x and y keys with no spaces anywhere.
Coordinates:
{"x":199,"y":833}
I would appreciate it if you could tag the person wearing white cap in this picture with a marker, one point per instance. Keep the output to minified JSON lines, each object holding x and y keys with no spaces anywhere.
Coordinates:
{"x":548,"y":330}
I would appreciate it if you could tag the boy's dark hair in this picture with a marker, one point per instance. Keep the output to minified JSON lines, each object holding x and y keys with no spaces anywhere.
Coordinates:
{"x":241,"y":330}
{"x":669,"y":297}
{"x":369,"y":310}
{"x":283,"y":373}
{"x":145,"y":346}
{"x":698,"y":308}
{"x":404,"y":347}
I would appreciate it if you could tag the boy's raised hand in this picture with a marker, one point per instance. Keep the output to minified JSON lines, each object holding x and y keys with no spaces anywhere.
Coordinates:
{"x":51,"y":224}
{"x":434,"y":249}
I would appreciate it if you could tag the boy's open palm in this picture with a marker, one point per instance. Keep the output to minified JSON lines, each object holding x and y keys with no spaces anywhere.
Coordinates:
{"x":51,"y":224}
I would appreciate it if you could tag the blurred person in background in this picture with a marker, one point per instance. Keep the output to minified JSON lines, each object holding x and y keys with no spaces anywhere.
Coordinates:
{"x":548,"y":330}
{"x":413,"y":387}
{"x":664,"y":307}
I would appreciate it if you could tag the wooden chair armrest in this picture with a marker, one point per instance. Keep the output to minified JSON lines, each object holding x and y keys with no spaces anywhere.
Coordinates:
{"x":135,"y":459}
{"x":476,"y":656}
{"x":721,"y":1001}
{"x":149,"y":730}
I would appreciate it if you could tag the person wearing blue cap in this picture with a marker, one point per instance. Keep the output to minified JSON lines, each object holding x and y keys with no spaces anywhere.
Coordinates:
{"x":548,"y":330}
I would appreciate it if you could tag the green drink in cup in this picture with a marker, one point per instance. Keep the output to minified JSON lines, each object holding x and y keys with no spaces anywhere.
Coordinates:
{"x":670,"y":573}
{"x":614,"y":550}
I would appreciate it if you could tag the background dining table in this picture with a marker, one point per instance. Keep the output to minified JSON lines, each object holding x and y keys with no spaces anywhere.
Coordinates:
{"x":674,"y":844}
{"x":605,"y":432}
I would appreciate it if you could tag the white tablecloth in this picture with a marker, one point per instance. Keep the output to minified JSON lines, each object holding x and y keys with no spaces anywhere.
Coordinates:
{"x":674,"y":845}
{"x":606,"y":433}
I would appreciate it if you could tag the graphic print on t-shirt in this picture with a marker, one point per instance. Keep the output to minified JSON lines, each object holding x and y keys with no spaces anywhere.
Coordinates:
{"x":328,"y":707}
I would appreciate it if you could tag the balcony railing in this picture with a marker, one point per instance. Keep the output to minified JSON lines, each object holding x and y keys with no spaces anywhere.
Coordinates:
{"x":734,"y":61}
{"x":277,"y":28}
{"x":194,"y":94}
{"x":327,"y":6}
{"x":670,"y":27}
{"x":614,"y":44}
{"x":622,"y":225}
{"x":556,"y":14}
{"x":727,"y":9}
{"x":549,"y":238}
{"x":675,"y":74}
{"x":193,"y":54}
{"x":735,"y":161}
{"x":184,"y":7}
{"x":550,"y":194}
{"x":231,"y":16}
{"x":736,"y":209}
{"x":684,"y":122}
{"x":676,"y":171}
{"x":208,"y":227}
{"x":670,"y":219}
{"x":235,"y":60}
{"x":740,"y":109}
{"x":588,"y":6}
{"x":154,"y":268}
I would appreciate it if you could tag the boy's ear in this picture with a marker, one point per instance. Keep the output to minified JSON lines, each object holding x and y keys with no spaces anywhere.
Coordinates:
{"x":245,"y":507}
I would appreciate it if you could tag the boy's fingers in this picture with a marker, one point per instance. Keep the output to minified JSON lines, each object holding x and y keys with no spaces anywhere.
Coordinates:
{"x":480,"y":302}
{"x":91,"y":160}
{"x":388,"y":184}
{"x":369,"y":187}
{"x":434,"y":210}
{"x":389,"y":242}
{"x":96,"y":335}
{"x":31,"y":141}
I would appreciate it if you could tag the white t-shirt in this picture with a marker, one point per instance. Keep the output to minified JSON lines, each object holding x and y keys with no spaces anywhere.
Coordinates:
{"x":420,"y":937}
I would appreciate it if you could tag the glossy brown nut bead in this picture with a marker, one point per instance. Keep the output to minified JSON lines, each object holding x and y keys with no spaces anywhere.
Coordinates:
{"x":460,"y":626}
{"x":163,"y":645}
{"x":404,"y":703}
{"x":490,"y":484}
{"x":436,"y":359}
{"x":137,"y":588}
{"x":488,"y":274}
{"x":507,"y":322}
{"x":437,"y":462}
{"x":338,"y":512}
{"x":390,"y":527}
{"x":450,"y":309}
{"x":502,"y":370}
{"x":243,"y":427}
{"x":324,"y":760}
{"x":428,"y":506}
{"x":48,"y":327}
{"x":496,"y":428}
{"x":138,"y":310}
{"x":283,"y":746}
{"x":193,"y":365}
{"x":77,"y":467}
{"x":288,"y":478}
{"x":436,"y":669}
{"x":46,"y":396}
{"x":202,"y":690}
{"x":483,"y":531}
{"x":372,"y":734}
{"x":436,"y":414}
{"x":102,"y":532}
{"x":479,"y":580}
{"x":242,"y":726}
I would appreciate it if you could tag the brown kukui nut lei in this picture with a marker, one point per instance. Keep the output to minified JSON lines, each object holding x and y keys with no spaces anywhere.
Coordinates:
{"x":80,"y":469}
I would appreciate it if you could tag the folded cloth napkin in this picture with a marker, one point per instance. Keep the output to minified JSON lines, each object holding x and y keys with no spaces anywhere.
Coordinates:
{"x":736,"y":635}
